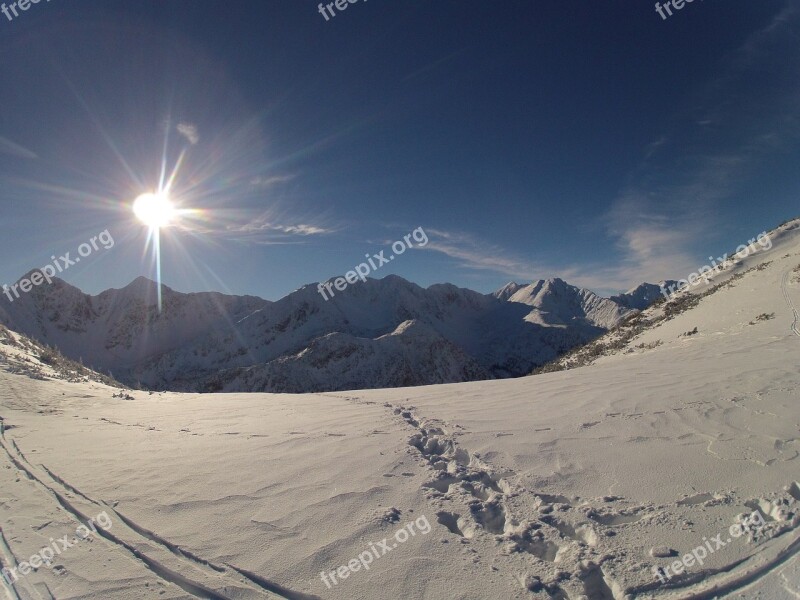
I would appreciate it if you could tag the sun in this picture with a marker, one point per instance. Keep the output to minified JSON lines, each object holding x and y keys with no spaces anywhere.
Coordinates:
{"x":154,"y":210}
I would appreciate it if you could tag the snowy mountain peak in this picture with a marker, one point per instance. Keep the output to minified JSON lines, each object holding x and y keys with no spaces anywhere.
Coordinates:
{"x":643,"y":295}
{"x":508,"y":290}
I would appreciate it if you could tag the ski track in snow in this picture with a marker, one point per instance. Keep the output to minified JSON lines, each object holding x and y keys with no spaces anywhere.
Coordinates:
{"x":167,"y":560}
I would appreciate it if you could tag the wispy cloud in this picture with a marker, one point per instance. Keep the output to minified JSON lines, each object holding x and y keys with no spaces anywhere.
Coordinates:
{"x":189,"y":132}
{"x":650,"y":251}
{"x":472,"y":253}
{"x":261,"y":224}
{"x":652,"y":147}
{"x":264,"y":182}
{"x":273,"y":227}
{"x":9,"y":147}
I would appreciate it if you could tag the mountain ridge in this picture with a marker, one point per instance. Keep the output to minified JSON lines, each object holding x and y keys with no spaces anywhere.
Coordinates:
{"x":302,"y":343}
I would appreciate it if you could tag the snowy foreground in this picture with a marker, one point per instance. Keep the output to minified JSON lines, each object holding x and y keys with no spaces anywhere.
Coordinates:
{"x":567,"y":485}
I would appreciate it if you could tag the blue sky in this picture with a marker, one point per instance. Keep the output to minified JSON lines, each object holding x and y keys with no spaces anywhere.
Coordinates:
{"x":530,"y":139}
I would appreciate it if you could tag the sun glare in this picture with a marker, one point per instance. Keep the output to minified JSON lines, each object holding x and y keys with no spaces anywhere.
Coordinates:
{"x":154,"y":210}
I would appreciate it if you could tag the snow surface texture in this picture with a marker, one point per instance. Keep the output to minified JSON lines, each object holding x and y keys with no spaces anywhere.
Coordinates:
{"x":566,"y":485}
{"x":380,"y":333}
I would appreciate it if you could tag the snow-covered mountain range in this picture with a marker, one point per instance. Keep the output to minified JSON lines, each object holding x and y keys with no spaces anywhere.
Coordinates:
{"x":377,"y":334}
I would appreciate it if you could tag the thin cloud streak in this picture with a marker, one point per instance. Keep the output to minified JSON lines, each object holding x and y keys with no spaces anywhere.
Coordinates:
{"x":262,"y":183}
{"x":9,"y":147}
{"x":472,"y":253}
{"x":273,"y":227}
